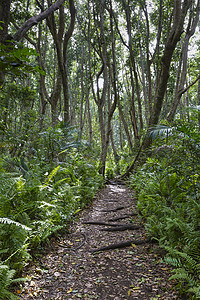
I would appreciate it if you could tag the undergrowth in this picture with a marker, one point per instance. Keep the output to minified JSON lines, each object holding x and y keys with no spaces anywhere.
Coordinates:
{"x":168,"y":189}
{"x":40,"y":191}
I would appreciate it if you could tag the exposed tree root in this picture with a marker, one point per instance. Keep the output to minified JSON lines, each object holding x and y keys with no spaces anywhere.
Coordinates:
{"x":83,"y":242}
{"x":109,"y":200}
{"x":78,"y":247}
{"x":102,"y":223}
{"x":121,"y":245}
{"x":122,"y":228}
{"x":115,"y":209}
{"x":116,"y":182}
{"x":122,"y":217}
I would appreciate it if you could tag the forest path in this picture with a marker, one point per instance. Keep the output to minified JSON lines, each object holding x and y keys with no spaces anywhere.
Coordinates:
{"x":69,"y":270}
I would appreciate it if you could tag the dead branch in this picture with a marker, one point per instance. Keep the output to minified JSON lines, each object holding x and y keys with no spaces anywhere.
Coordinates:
{"x":181,"y":92}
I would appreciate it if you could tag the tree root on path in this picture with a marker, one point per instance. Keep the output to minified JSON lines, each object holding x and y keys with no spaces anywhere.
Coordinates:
{"x":78,"y":247}
{"x":121,"y":245}
{"x":83,"y":242}
{"x":122,"y":217}
{"x":115,"y":209}
{"x":122,"y":228}
{"x":116,"y":182}
{"x":108,"y":200}
{"x":102,"y":223}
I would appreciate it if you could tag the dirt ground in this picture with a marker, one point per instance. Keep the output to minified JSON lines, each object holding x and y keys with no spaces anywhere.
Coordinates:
{"x":71,"y":270}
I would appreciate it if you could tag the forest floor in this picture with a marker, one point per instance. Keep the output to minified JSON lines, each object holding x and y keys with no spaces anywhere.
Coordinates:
{"x":70,"y":270}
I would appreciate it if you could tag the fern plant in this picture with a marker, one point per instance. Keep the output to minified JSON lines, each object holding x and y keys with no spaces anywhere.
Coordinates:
{"x":168,"y":188}
{"x":6,"y":280}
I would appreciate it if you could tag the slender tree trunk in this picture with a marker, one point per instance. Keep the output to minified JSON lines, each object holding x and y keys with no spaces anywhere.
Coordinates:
{"x":192,"y":24}
{"x":82,"y":94}
{"x":111,"y":106}
{"x":144,"y":87}
{"x":132,"y":71}
{"x":120,"y":134}
{"x":129,"y":138}
{"x":67,"y":37}
{"x":42,"y":88}
{"x":5,"y":18}
{"x":4,"y":36}
{"x":54,"y":99}
{"x":115,"y":154}
{"x":148,"y":62}
{"x":198,"y":101}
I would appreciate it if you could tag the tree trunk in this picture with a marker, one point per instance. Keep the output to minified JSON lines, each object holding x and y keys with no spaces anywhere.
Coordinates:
{"x":132,"y":71}
{"x":63,"y":67}
{"x":174,"y":37}
{"x":4,"y":17}
{"x":82,"y":94}
{"x":192,"y":24}
{"x":198,"y":100}
{"x":125,"y":127}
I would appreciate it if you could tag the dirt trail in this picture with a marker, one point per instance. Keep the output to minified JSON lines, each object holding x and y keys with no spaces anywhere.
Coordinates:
{"x":70,"y":271}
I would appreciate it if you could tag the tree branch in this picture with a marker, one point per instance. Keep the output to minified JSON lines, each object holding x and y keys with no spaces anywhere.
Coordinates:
{"x":35,"y":20}
{"x":181,"y":92}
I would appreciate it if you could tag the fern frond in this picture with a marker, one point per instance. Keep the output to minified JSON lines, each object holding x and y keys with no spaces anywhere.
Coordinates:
{"x":44,"y":203}
{"x":9,"y":222}
{"x":50,"y":177}
{"x":190,"y":263}
{"x":161,"y":130}
{"x":195,"y":108}
{"x":195,"y":290}
{"x":6,"y":279}
{"x":173,"y":261}
{"x":181,"y":274}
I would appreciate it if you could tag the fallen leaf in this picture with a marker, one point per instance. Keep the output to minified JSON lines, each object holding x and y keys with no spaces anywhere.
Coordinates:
{"x":57,"y":274}
{"x":70,"y":290}
{"x":32,"y":283}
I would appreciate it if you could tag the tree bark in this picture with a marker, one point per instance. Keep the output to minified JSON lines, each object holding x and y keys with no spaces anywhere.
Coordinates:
{"x":4,"y":17}
{"x":132,"y":71}
{"x":63,"y":67}
{"x":82,"y":94}
{"x":125,"y":126}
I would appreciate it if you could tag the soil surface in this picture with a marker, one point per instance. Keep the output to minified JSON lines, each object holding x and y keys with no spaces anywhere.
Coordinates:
{"x":71,"y":270}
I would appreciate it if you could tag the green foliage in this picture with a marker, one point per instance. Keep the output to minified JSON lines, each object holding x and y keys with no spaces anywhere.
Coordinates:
{"x":40,"y":193}
{"x":168,"y":188}
{"x":6,"y":279}
{"x":15,"y":59}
